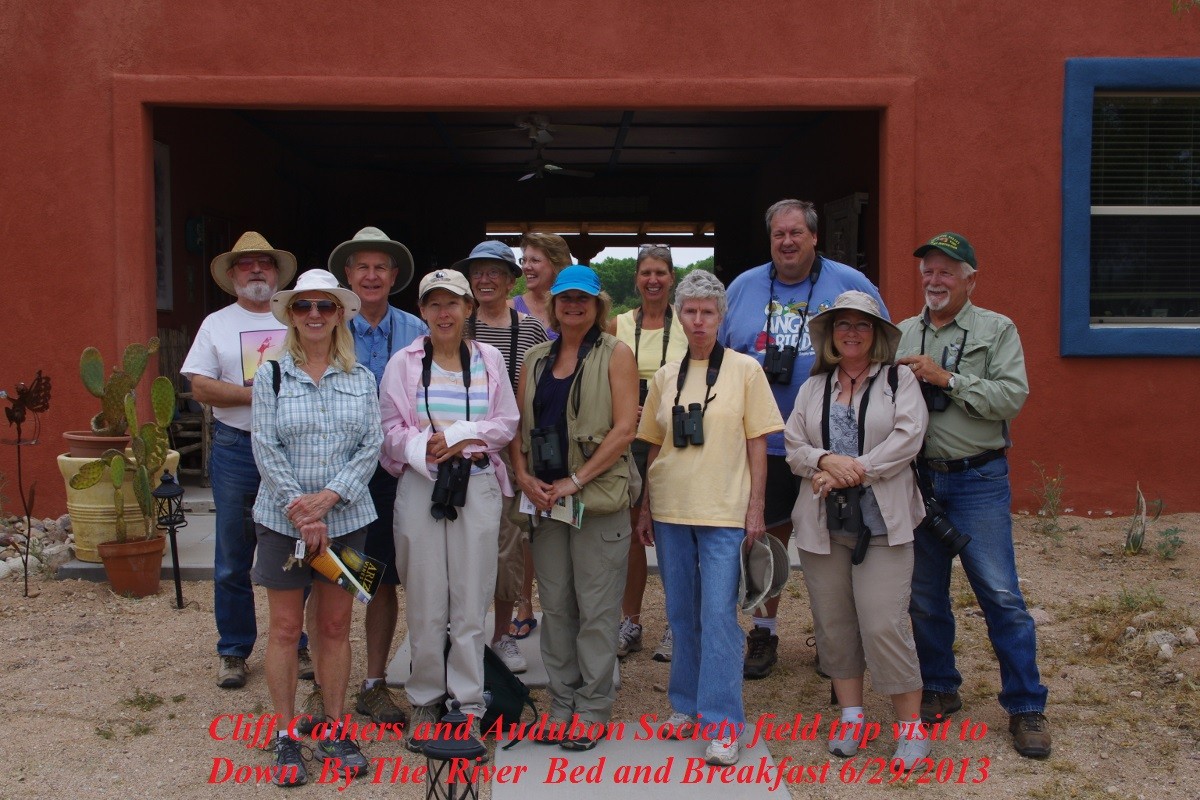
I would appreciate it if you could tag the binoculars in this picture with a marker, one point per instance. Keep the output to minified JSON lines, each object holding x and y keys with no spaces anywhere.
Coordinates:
{"x":778,"y":363}
{"x":546,"y":450}
{"x":450,"y":488}
{"x":687,"y":426}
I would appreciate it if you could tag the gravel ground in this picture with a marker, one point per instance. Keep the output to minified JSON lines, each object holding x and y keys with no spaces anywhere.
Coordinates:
{"x":113,"y":698}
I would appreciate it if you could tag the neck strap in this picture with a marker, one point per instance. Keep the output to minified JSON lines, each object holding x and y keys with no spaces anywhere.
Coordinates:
{"x":464,"y":357}
{"x":710,"y":376}
{"x":813,"y":275}
{"x":637,"y":335}
{"x":862,"y":411}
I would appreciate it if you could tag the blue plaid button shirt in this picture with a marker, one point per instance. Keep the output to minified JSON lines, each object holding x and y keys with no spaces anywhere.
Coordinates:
{"x":313,"y":437}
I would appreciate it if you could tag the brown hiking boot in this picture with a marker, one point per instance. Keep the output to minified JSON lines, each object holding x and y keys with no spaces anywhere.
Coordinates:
{"x":304,"y":665}
{"x":761,"y":653}
{"x":1031,"y":734}
{"x":938,"y":706}
{"x":232,"y":672}
{"x":378,"y":704}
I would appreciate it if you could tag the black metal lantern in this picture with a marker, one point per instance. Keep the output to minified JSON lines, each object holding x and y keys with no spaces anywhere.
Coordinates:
{"x":441,"y":753}
{"x":168,"y":506}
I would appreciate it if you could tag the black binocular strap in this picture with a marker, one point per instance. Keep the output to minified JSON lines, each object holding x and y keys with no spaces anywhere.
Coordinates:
{"x":637,"y":335}
{"x":862,"y":410}
{"x":546,"y":366}
{"x":813,"y":274}
{"x":710,"y":376}
{"x":464,"y":357}
{"x":512,"y":342}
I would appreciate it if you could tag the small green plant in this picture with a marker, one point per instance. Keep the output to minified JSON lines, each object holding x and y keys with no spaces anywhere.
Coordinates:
{"x":143,"y":701}
{"x":149,"y":447}
{"x":1139,"y":600}
{"x":179,"y":698}
{"x":1135,"y":536}
{"x":1169,"y":543}
{"x":105,"y":731}
{"x":141,"y":728}
{"x":1049,"y":490}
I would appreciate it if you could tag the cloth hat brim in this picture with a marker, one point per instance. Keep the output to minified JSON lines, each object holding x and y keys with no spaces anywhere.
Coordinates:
{"x":405,"y":266}
{"x":346,"y":298}
{"x":818,"y":328}
{"x":252,"y":243}
{"x":764,"y":572}
{"x":464,"y":266}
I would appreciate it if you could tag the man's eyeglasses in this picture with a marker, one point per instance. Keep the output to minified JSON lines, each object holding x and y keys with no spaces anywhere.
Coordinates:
{"x":491,"y":273}
{"x":862,"y":326}
{"x":250,"y":262}
{"x":323,"y":306}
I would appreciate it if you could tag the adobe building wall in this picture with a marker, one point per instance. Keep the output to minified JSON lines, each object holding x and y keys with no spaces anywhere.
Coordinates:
{"x":969,"y":139}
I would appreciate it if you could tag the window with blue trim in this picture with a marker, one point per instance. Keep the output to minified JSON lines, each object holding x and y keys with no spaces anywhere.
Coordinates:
{"x":1131,"y":207}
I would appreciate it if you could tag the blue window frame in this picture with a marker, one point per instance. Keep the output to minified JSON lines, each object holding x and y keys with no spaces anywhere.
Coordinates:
{"x":1131,"y":207}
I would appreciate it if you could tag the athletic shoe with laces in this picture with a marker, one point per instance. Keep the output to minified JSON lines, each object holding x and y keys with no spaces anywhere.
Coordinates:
{"x":340,"y":745}
{"x":287,"y":768}
{"x":1031,"y":734}
{"x":304,"y":665}
{"x":378,"y":704}
{"x":312,"y":712}
{"x":510,"y":654}
{"x":681,"y":724}
{"x":844,"y":741}
{"x":761,"y":653}
{"x":231,"y":674}
{"x":722,"y":752}
{"x":911,"y":750}
{"x":665,"y":646}
{"x":422,"y":717}
{"x":629,"y":637}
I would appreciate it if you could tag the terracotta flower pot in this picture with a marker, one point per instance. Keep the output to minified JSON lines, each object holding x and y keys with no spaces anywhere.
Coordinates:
{"x":85,"y":444}
{"x":134,"y":568}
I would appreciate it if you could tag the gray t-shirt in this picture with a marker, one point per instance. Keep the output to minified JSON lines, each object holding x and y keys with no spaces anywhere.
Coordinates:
{"x":843,"y":440}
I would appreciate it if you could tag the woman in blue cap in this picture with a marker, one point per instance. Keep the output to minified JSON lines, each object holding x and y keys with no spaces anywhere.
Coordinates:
{"x":571,"y":448}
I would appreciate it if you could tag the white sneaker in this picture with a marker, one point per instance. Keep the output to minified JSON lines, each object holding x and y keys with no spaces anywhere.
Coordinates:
{"x":681,"y":724}
{"x":629,"y":637}
{"x":722,"y":752}
{"x":911,"y":751}
{"x":845,"y":742}
{"x":663,"y":651}
{"x":510,"y":654}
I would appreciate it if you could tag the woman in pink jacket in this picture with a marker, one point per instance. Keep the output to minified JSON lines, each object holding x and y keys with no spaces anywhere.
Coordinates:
{"x":856,"y":427}
{"x":448,"y":409}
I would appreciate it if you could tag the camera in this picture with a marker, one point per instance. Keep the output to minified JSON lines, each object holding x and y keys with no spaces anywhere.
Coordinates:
{"x":843,"y":512}
{"x":939,"y":526}
{"x":687,"y":426}
{"x":778,"y":363}
{"x":546,"y":450}
{"x":936,"y":398}
{"x":450,"y":488}
{"x":643,"y":390}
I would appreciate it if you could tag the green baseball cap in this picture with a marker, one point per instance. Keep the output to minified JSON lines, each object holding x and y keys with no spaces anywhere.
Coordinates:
{"x":952,"y":244}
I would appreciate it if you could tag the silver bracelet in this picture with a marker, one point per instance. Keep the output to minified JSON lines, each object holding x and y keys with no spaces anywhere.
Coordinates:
{"x":575,"y":480}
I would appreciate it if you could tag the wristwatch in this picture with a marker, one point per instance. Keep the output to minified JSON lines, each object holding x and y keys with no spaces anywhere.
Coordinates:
{"x":950,"y":383}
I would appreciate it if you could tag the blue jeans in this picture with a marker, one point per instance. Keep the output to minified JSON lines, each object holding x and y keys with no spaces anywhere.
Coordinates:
{"x":235,"y":484}
{"x":978,"y":502}
{"x":700,"y":571}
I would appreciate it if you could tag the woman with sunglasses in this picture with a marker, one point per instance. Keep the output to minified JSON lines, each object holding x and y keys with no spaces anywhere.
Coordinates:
{"x":448,"y":410}
{"x":653,"y":333}
{"x":578,"y":399}
{"x":316,"y":440}
{"x":543,"y":256}
{"x":857,"y":425}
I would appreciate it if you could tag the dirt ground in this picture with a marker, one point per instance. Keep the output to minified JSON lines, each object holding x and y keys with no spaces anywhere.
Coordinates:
{"x":112,"y":698}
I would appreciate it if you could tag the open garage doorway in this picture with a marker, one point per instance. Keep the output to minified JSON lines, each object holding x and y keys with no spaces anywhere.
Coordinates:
{"x":435,"y":180}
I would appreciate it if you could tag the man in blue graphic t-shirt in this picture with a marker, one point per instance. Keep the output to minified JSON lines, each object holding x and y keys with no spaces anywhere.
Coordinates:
{"x":769,"y":309}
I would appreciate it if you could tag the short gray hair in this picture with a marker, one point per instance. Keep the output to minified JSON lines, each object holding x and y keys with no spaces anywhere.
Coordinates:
{"x":803,"y":206}
{"x":701,"y":285}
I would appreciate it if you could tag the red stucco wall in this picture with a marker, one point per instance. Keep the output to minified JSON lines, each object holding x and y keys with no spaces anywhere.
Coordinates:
{"x":970,"y":140}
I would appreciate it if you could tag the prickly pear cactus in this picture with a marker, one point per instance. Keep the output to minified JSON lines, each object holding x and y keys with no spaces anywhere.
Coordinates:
{"x":112,"y":419}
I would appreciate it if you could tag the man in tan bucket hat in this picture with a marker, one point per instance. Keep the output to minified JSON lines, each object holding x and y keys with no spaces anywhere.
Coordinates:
{"x":229,"y":347}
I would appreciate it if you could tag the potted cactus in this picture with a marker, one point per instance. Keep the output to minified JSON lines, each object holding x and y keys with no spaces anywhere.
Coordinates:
{"x":109,"y":426}
{"x":95,"y":516}
{"x":133,"y":563}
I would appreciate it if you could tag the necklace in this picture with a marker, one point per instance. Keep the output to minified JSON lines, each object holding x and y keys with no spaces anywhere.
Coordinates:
{"x":854,"y":380}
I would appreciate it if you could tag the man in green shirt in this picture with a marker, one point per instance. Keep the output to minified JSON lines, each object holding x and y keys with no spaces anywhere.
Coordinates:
{"x":972,"y":370}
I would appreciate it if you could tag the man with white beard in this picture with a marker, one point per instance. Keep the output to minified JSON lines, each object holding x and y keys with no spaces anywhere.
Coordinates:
{"x":229,"y":347}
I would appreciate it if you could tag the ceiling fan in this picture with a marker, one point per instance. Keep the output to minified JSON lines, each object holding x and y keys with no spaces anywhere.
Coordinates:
{"x":540,"y":167}
{"x":539,"y":129}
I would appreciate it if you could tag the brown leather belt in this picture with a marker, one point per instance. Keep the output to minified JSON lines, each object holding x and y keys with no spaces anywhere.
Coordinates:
{"x":961,"y":464}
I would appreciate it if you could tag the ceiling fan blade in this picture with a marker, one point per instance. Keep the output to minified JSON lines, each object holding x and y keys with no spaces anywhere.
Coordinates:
{"x":527,"y":177}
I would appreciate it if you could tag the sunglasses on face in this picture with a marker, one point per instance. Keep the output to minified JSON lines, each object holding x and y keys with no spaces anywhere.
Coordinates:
{"x":323,"y":306}
{"x":250,"y":262}
{"x":844,"y":325}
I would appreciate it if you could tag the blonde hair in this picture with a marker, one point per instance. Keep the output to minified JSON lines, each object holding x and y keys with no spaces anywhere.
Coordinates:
{"x":828,"y":357}
{"x":603,"y":309}
{"x":554,"y":246}
{"x":341,"y":348}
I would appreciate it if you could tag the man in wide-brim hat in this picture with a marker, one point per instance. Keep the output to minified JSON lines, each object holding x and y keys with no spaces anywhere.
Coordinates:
{"x":229,"y":347}
{"x":375,"y":267}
